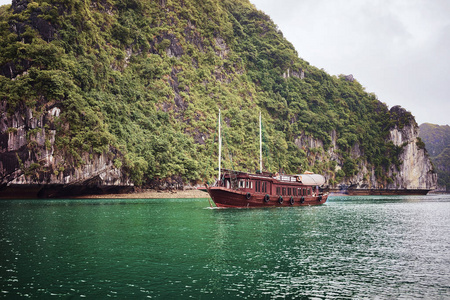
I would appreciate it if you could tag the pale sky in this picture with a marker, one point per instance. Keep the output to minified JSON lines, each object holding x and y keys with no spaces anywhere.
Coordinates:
{"x":397,"y":49}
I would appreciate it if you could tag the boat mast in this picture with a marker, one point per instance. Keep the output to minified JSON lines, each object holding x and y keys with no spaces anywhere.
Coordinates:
{"x":260,"y":143}
{"x":220,"y":150}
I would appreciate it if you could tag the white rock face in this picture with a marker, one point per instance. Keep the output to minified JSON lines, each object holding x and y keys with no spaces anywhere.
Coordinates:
{"x":416,"y":170}
{"x":305,"y":141}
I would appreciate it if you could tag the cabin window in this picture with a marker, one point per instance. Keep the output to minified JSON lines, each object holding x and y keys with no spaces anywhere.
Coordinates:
{"x":242,"y":184}
{"x":264,"y":187}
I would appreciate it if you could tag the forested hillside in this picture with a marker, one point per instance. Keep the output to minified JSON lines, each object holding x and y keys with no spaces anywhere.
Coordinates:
{"x":437,"y":141}
{"x":139,"y":84}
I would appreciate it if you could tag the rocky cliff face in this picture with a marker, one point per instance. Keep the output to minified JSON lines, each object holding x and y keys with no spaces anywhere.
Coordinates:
{"x":414,"y":171}
{"x":29,"y":158}
{"x":437,"y":141}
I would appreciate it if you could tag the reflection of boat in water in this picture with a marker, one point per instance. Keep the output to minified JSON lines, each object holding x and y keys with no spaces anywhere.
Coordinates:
{"x":242,"y":189}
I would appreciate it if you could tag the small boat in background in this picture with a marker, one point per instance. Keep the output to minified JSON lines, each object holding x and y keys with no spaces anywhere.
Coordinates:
{"x":242,"y":189}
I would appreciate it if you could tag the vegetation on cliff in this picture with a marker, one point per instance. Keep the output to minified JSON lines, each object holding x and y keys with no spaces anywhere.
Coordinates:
{"x":437,"y":142}
{"x":147,"y":79}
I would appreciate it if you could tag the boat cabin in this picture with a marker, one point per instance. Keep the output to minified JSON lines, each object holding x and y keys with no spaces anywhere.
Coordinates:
{"x":280,"y":185}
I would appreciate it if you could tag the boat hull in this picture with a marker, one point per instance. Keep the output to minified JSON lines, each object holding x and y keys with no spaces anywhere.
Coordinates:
{"x":224,"y":197}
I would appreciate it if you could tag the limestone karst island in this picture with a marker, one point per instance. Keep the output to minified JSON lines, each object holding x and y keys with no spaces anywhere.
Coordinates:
{"x":108,"y":96}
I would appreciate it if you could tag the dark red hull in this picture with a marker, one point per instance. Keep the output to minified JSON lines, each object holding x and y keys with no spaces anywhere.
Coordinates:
{"x":224,"y":197}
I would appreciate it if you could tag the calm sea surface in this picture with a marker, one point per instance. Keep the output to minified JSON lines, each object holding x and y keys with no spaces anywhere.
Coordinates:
{"x":351,"y":247}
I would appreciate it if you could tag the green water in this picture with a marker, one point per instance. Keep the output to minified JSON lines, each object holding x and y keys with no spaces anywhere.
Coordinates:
{"x":358,"y":247}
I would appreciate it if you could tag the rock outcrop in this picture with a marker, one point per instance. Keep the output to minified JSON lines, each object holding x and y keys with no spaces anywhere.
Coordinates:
{"x":294,"y":73}
{"x":414,"y":171}
{"x":437,"y":141}
{"x":29,"y":160}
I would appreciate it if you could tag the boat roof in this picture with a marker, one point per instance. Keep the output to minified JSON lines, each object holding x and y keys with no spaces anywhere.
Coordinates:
{"x":306,"y":178}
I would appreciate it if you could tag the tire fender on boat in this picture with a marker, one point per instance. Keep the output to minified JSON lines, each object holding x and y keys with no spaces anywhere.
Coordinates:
{"x":291,"y":201}
{"x":266,"y":198}
{"x":280,"y":200}
{"x":248,"y":195}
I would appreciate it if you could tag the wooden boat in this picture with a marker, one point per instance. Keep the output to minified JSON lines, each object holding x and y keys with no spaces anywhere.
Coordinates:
{"x":242,"y":189}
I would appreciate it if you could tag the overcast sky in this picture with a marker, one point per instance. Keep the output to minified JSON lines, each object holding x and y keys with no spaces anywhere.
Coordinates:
{"x":397,"y":49}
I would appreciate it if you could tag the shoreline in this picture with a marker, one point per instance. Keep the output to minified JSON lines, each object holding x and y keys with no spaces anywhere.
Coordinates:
{"x":151,"y":194}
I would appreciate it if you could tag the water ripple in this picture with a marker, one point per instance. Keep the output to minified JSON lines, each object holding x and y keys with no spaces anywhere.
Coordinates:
{"x":350,"y":248}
